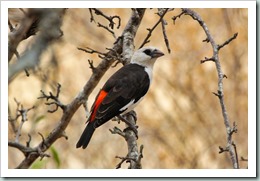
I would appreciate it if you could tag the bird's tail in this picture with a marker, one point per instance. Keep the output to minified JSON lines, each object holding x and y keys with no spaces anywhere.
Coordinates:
{"x":86,"y":136}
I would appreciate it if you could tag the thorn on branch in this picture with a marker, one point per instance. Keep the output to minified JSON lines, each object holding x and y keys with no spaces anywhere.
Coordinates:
{"x":206,"y":40}
{"x":225,"y":76}
{"x":219,"y":94}
{"x":207,"y":59}
{"x":221,"y":149}
{"x":63,"y":134}
{"x":177,"y":16}
{"x":243,"y":159}
{"x":228,"y":41}
{"x":91,"y":66}
{"x":233,"y":129}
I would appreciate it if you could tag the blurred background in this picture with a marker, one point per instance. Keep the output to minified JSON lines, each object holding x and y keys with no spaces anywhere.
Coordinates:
{"x":180,"y":120}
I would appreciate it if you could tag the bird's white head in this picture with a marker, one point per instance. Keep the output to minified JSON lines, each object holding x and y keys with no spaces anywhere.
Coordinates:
{"x":146,"y":56}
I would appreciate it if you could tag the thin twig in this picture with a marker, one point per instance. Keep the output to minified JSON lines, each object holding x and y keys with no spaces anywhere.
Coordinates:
{"x":56,"y":101}
{"x":91,"y":15}
{"x":150,"y":30}
{"x":109,"y":18}
{"x":228,"y":41}
{"x":164,"y":23}
{"x":21,"y":112}
{"x":106,"y":28}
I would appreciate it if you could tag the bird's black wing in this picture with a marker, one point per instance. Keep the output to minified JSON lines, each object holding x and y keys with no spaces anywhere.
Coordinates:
{"x":130,"y":83}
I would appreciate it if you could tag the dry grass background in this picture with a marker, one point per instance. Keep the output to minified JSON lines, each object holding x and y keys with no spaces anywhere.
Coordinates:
{"x":180,"y":120}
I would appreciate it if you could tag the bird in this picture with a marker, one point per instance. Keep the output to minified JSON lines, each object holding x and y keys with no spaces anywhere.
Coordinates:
{"x":122,"y":91}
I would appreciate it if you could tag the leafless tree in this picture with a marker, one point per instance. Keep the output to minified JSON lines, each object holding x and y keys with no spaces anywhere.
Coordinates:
{"x":45,"y":26}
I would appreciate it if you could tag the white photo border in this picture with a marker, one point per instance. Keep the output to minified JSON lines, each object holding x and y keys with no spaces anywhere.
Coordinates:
{"x":250,"y":172}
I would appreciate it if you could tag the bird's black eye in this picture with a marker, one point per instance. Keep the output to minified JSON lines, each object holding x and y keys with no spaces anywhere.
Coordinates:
{"x":147,"y":52}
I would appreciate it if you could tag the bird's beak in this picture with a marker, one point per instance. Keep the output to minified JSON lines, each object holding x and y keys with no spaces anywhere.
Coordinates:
{"x":157,"y":53}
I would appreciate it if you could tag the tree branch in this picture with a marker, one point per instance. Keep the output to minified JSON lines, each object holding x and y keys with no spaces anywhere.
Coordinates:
{"x":109,"y":18}
{"x":221,"y":75}
{"x":56,"y":102}
{"x":150,"y":30}
{"x":50,"y":28}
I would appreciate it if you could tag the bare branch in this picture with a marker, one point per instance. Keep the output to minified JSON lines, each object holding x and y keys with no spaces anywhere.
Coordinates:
{"x":56,"y":102}
{"x":91,"y":15}
{"x":228,"y":41}
{"x":106,"y":28}
{"x":92,"y":51}
{"x":207,"y":59}
{"x":164,"y":23}
{"x":20,"y":112}
{"x":130,"y":135}
{"x":235,"y":149}
{"x":150,"y":30}
{"x":220,"y":91}
{"x":109,"y":18}
{"x":177,"y":16}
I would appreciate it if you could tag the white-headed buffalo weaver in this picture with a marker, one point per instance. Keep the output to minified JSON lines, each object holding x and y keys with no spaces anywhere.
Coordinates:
{"x":122,"y":91}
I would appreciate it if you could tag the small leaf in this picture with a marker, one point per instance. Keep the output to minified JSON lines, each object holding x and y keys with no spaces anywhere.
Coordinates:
{"x":39,"y":164}
{"x":39,"y":118}
{"x":56,"y":157}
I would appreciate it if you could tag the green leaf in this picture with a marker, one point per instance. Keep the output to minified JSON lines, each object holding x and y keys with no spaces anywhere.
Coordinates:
{"x":56,"y":157}
{"x":39,"y":118}
{"x":39,"y":164}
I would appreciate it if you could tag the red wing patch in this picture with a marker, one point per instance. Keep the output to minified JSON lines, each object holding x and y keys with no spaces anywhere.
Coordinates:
{"x":102,"y":94}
